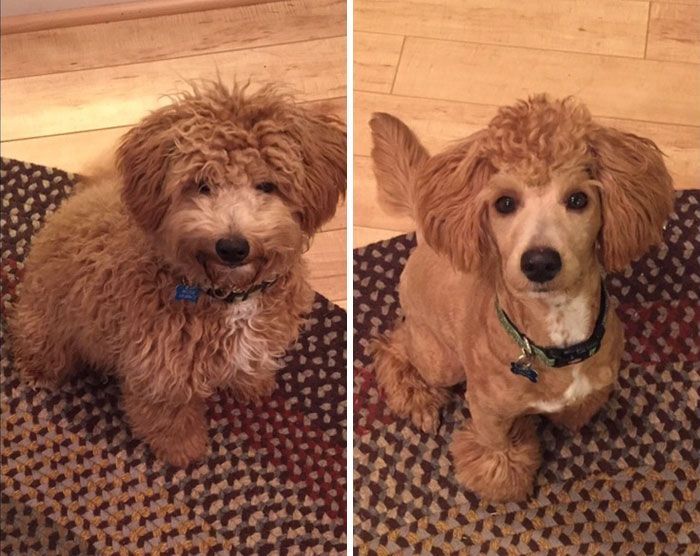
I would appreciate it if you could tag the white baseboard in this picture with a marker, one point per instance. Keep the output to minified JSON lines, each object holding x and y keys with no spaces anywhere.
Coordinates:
{"x":112,"y":12}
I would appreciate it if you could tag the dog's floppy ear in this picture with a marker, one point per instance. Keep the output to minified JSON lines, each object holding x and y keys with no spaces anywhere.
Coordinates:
{"x":637,"y":194}
{"x":142,"y":160}
{"x":397,"y":157}
{"x":322,"y":140}
{"x":450,"y":211}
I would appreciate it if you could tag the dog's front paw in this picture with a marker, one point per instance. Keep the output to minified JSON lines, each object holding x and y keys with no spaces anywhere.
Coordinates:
{"x":183,"y":451}
{"x":505,"y":475}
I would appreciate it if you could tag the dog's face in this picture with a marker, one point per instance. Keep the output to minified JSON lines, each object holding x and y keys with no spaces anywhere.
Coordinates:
{"x":543,"y":197}
{"x":234,"y":222}
{"x":545,"y":236}
{"x":232,"y":186}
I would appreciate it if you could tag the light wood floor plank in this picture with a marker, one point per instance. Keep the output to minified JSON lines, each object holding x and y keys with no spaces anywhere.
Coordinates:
{"x":375,"y":61}
{"x":437,"y":123}
{"x":116,"y":96}
{"x":74,"y":152}
{"x":563,"y":25}
{"x":614,"y":87}
{"x":338,"y":222}
{"x":364,"y":236}
{"x":327,"y":267}
{"x":674,"y":33}
{"x":157,"y":38}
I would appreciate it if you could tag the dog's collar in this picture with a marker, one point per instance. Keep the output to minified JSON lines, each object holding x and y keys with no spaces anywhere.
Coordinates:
{"x":232,"y":296}
{"x":185,"y":292}
{"x":553,"y":356}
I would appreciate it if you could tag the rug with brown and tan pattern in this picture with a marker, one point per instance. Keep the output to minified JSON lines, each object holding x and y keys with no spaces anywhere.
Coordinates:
{"x":626,"y":484}
{"x":75,"y":481}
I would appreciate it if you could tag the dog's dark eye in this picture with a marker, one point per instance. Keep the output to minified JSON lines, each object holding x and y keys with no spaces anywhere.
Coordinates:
{"x":577,"y":201}
{"x":203,"y":189}
{"x":505,"y":205}
{"x":266,"y":187}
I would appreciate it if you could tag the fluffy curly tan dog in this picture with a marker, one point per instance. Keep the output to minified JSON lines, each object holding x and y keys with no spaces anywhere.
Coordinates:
{"x":516,"y":225}
{"x":182,"y":272}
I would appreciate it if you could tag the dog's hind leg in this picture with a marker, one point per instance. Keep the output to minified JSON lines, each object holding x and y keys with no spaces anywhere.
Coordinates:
{"x":44,"y":353}
{"x":411,"y":373}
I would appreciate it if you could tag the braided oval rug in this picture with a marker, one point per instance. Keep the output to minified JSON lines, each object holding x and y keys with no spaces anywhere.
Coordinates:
{"x":75,"y":481}
{"x":626,"y":484}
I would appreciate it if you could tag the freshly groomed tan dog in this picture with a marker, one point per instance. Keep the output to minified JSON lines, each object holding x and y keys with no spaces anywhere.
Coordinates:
{"x":182,"y":271}
{"x":516,"y":226}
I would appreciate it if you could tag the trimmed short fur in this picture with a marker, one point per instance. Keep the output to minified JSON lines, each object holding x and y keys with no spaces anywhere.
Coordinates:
{"x":100,"y":280}
{"x":537,"y":153}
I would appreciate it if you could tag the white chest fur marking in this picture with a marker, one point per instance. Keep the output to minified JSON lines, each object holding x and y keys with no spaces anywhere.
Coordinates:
{"x":579,"y":388}
{"x":242,"y":310}
{"x":568,"y":321}
{"x":252,"y":349}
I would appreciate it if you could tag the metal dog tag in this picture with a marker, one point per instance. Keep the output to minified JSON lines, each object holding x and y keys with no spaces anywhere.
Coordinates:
{"x":523,"y":366}
{"x":187,"y":293}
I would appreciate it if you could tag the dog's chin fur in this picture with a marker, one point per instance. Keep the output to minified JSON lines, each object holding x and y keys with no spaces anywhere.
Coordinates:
{"x":210,"y":271}
{"x":100,"y":280}
{"x":539,"y":152}
{"x":238,"y":277}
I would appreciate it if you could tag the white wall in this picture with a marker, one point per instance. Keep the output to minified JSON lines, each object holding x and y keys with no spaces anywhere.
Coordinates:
{"x":19,"y":7}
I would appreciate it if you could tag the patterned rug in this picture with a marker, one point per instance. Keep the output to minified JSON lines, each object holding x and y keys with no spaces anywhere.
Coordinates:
{"x":626,"y":484}
{"x":75,"y":481}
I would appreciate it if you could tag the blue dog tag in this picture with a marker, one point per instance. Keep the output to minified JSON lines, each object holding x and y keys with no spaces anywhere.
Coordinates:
{"x":524,"y":370}
{"x":187,"y":293}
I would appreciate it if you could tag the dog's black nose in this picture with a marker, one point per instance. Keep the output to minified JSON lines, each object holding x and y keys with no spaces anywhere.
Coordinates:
{"x":232,"y":250}
{"x":540,"y":264}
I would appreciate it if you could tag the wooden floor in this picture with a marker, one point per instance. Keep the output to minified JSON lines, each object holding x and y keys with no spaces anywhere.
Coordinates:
{"x":68,"y":94}
{"x":442,"y":65}
{"x":445,"y":65}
